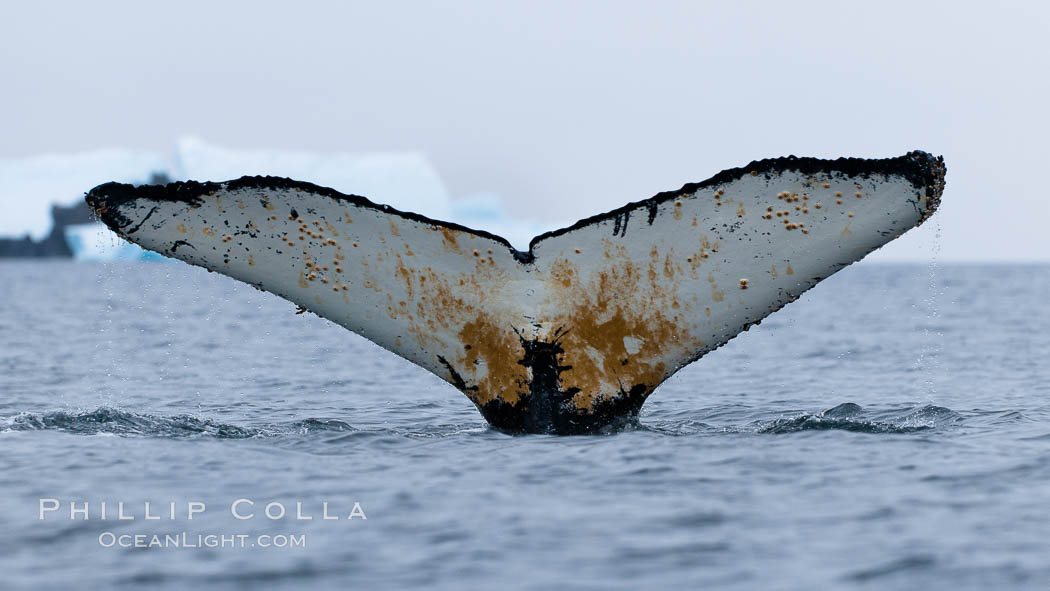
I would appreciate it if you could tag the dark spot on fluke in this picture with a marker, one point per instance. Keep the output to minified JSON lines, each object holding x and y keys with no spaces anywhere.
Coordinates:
{"x":143,"y":221}
{"x":175,"y":245}
{"x":457,"y":380}
{"x":548,"y":408}
{"x":653,"y":206}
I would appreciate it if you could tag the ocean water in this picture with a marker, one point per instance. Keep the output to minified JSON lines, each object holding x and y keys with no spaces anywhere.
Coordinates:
{"x":890,"y":430}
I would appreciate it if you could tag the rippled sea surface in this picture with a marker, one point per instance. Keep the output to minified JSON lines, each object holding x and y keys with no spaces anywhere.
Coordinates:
{"x":889,"y":430}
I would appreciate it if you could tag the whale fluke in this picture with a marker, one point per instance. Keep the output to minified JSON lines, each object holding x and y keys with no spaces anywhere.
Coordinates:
{"x":573,"y":334}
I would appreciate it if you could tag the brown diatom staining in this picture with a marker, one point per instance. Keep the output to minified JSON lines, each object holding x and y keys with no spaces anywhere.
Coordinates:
{"x":496,"y":348}
{"x":849,"y":215}
{"x":826,"y":185}
{"x":791,"y":226}
{"x":338,"y":269}
{"x":301,"y":237}
{"x":838,"y":193}
{"x":354,"y":244}
{"x":780,"y":213}
{"x":770,"y":208}
{"x":797,"y":208}
{"x":576,"y":250}
{"x":768,"y":216}
{"x":476,"y":253}
{"x":817,"y":205}
{"x":754,"y":173}
{"x":743,"y":284}
{"x":805,"y":197}
{"x":676,"y":204}
{"x":335,"y":288}
{"x":805,"y":231}
{"x":490,"y":251}
{"x":344,"y":288}
{"x":324,"y":280}
{"x":718,"y":203}
{"x":859,"y":195}
{"x":838,"y":201}
{"x":324,"y":268}
{"x":805,"y":210}
{"x":858,"y":186}
{"x":309,"y":264}
{"x":703,"y":255}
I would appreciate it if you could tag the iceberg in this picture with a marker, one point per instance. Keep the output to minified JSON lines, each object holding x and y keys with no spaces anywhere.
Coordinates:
{"x":485,"y":211}
{"x":95,"y":242}
{"x":33,"y":191}
{"x":404,"y":180}
{"x":29,"y":187}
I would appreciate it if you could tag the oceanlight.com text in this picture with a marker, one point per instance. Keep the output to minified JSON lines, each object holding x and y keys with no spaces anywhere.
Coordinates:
{"x":196,"y":540}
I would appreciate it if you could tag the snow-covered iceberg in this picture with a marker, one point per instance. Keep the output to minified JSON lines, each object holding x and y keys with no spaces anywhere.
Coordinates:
{"x":405,"y":180}
{"x":96,"y":242}
{"x":30,"y":186}
{"x":485,"y":211}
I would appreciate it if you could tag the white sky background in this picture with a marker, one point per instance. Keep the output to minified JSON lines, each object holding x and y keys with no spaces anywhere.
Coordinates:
{"x":566,"y":109}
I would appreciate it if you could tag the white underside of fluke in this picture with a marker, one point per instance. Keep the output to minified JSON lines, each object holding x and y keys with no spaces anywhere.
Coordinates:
{"x":624,"y":299}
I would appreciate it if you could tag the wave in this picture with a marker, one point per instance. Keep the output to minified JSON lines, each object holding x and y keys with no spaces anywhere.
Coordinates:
{"x":121,"y":422}
{"x":112,"y":421}
{"x":852,"y":417}
{"x":105,"y":420}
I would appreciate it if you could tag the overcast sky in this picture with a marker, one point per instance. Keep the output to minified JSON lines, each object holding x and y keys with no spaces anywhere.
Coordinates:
{"x":564,"y":108}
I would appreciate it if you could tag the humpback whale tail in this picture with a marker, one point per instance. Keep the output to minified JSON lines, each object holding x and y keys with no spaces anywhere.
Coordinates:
{"x":574,"y":333}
